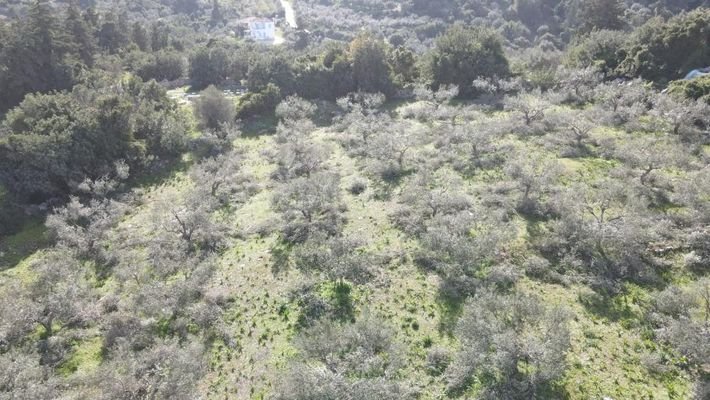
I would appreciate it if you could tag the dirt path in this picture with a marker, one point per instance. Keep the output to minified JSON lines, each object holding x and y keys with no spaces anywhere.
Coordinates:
{"x":290,"y":13}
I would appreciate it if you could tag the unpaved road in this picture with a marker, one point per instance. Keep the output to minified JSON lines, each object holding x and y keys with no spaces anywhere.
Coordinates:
{"x":290,"y":13}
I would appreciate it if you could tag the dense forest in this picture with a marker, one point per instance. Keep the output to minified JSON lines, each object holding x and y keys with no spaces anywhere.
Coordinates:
{"x":392,"y":199}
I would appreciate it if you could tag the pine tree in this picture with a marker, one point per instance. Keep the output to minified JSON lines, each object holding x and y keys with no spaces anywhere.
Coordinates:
{"x":83,"y":42}
{"x":140,"y":37}
{"x":600,"y":14}
{"x":112,"y":36}
{"x":34,"y":56}
{"x":159,"y":36}
{"x":217,"y":16}
{"x":91,"y":17}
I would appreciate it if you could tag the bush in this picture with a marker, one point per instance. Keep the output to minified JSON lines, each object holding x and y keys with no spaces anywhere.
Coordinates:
{"x":213,"y":109}
{"x":663,"y":51}
{"x":463,"y":55}
{"x":259,"y":103}
{"x":698,"y":88}
{"x":603,"y":50}
{"x":358,"y":187}
{"x":56,"y":141}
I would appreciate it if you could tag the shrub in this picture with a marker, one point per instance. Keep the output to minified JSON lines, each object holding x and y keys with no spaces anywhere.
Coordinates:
{"x":463,"y":55}
{"x":437,"y":359}
{"x":698,"y":88}
{"x":603,"y":50}
{"x":663,"y":51}
{"x":213,"y":109}
{"x":358,"y":187}
{"x":259,"y":103}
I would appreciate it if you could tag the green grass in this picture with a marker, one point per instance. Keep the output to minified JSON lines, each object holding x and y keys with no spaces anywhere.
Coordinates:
{"x":608,"y":339}
{"x":605,"y":357}
{"x":86,"y":357}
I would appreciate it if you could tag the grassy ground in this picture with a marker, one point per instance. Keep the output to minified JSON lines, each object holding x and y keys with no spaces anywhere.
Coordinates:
{"x":607,"y":347}
{"x":606,"y":352}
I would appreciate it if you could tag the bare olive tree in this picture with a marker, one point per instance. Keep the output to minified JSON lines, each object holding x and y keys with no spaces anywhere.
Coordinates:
{"x":309,"y":205}
{"x":357,"y":361}
{"x":426,"y":195}
{"x":512,"y":343}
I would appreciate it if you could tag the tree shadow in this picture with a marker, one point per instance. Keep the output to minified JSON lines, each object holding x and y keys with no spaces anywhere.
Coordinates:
{"x":18,"y":246}
{"x":342,"y":301}
{"x":280,"y":253}
{"x":450,"y":308}
{"x":259,"y":126}
{"x":159,"y":173}
{"x":613,"y":308}
{"x":389,"y":180}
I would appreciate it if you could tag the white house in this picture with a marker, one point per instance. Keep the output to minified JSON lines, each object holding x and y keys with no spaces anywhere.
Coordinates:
{"x":260,"y":29}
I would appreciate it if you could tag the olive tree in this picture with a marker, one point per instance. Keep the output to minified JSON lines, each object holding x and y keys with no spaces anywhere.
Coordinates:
{"x":693,"y":192}
{"x":533,"y":178}
{"x":188,"y":225}
{"x":513,"y":344}
{"x":646,"y":157}
{"x":334,"y":258}
{"x":294,"y":108}
{"x":622,"y":104}
{"x":461,"y":248}
{"x":222,"y":179}
{"x":433,"y":104}
{"x":309,"y":205}
{"x":168,"y":369}
{"x":361,"y":120}
{"x":23,"y":376}
{"x":358,"y":361}
{"x":82,"y":227}
{"x":56,"y":300}
{"x":577,"y":85}
{"x":58,"y":297}
{"x":573,"y":130}
{"x":299,"y":156}
{"x":427,"y":195}
{"x":687,"y":119}
{"x":214,"y":109}
{"x":604,"y":231}
{"x":472,"y":146}
{"x":680,"y":318}
{"x":391,"y":148}
{"x":530,"y":106}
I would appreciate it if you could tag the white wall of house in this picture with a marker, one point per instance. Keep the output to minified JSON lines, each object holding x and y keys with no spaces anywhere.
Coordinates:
{"x":262,"y":30}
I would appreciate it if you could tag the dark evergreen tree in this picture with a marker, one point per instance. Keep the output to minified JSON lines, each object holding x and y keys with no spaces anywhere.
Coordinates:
{"x":217,"y":15}
{"x":140,"y":37}
{"x":463,"y":55}
{"x":599,"y":14}
{"x":34,"y":57}
{"x":159,"y":36}
{"x":371,"y":70}
{"x":112,"y":36}
{"x":83,"y":42}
